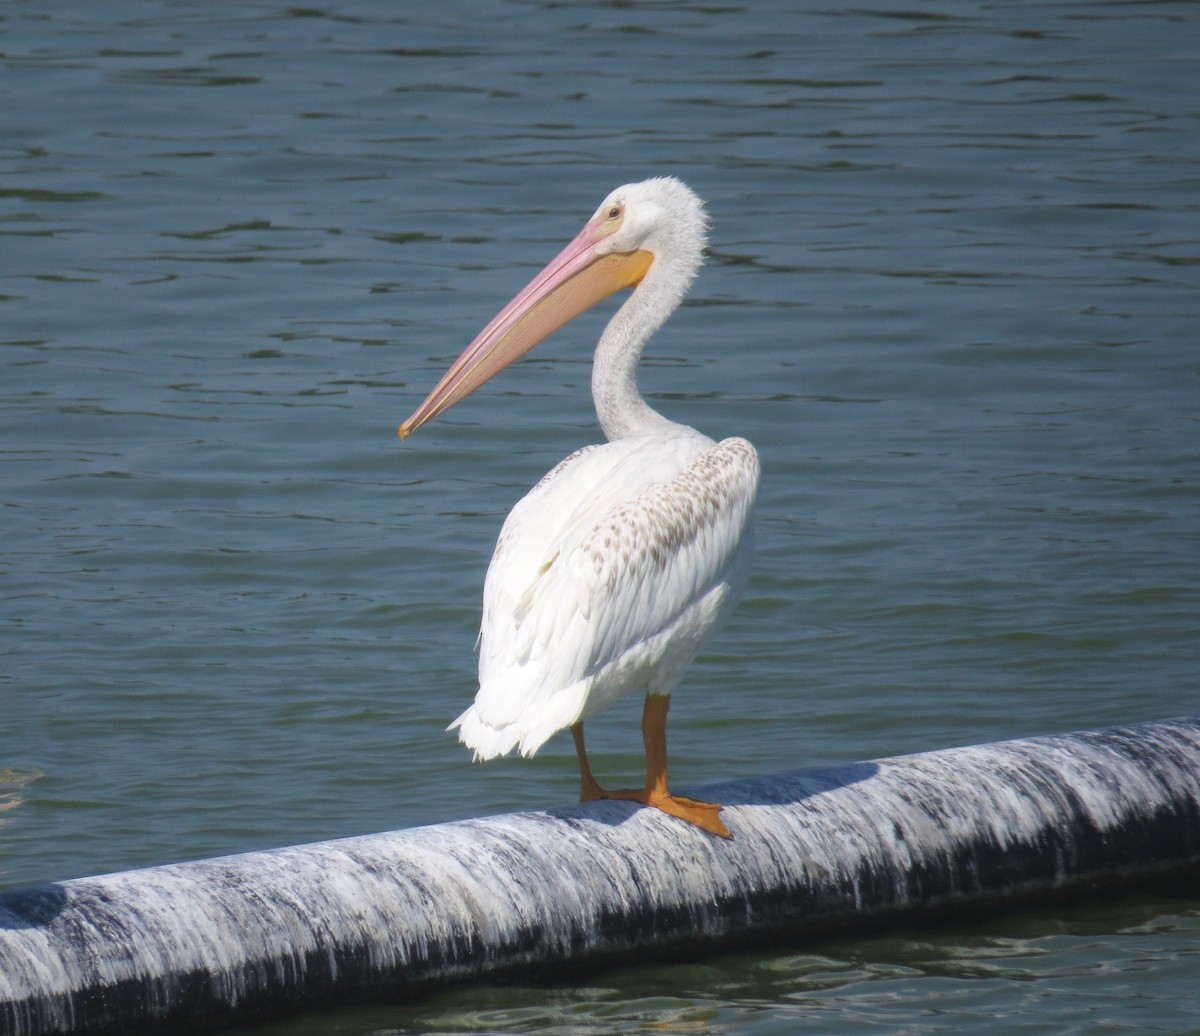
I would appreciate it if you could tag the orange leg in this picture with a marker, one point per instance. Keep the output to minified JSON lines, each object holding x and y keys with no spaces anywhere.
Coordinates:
{"x":589,"y":790}
{"x":654,"y":734}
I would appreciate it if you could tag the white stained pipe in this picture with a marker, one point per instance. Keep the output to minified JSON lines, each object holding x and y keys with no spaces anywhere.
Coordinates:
{"x":387,"y":916}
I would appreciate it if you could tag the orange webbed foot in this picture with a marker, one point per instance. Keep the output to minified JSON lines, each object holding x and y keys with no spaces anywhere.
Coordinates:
{"x":704,"y":815}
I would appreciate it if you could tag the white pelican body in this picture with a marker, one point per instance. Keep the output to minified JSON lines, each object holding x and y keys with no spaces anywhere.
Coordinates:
{"x":610,"y":575}
{"x":607,"y":579}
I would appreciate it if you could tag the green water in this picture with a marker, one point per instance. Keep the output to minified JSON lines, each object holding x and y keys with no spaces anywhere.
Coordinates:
{"x":951,"y":297}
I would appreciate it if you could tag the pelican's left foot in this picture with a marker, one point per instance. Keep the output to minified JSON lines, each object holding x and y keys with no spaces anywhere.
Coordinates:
{"x":704,"y":815}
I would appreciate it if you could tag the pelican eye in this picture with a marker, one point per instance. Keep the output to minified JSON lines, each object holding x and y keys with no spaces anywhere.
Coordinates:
{"x":608,"y":221}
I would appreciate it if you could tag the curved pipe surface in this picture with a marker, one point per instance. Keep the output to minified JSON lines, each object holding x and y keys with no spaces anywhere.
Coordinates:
{"x":196,"y":945}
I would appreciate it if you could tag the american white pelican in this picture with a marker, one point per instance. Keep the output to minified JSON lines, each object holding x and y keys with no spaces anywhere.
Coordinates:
{"x":612,"y":573}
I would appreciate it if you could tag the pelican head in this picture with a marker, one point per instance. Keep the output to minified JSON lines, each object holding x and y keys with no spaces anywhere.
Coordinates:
{"x":651,"y":232}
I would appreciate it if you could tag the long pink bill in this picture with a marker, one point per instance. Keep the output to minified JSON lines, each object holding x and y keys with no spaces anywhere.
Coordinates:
{"x":575,"y":280}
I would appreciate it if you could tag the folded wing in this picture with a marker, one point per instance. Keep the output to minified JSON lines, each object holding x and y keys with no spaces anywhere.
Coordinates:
{"x":607,"y":578}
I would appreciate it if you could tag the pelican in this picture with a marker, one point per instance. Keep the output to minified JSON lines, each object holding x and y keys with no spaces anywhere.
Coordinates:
{"x":612,"y":573}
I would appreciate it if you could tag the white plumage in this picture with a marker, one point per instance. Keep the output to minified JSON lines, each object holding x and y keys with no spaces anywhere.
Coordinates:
{"x":611,"y":574}
{"x":608,"y":578}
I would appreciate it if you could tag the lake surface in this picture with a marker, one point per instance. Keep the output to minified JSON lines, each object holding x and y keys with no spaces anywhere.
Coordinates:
{"x":951,"y":295}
